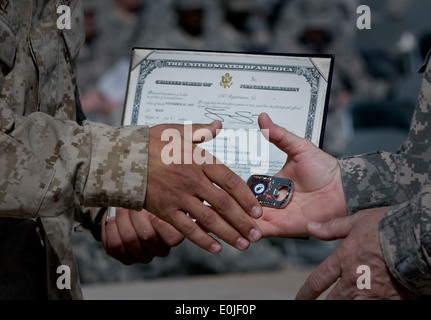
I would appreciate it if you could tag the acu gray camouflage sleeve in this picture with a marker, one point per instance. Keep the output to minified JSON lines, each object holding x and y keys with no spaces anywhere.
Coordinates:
{"x":405,"y":238}
{"x":50,"y":166}
{"x":402,"y":181}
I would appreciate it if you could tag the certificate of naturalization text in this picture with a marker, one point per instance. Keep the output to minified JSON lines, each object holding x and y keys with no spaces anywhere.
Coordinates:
{"x":194,"y":87}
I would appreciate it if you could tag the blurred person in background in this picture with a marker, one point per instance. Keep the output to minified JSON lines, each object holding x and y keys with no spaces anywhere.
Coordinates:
{"x":90,"y":65}
{"x":191,"y":25}
{"x":328,"y":27}
{"x":136,"y":23}
{"x":232,"y":30}
{"x":393,"y":50}
{"x":121,"y":25}
{"x":112,"y":29}
{"x":244,"y":26}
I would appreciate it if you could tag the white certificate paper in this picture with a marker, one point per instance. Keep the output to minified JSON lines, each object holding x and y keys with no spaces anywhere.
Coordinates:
{"x":171,"y":86}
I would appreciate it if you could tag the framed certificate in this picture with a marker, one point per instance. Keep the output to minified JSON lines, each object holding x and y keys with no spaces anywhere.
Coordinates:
{"x":172,"y":86}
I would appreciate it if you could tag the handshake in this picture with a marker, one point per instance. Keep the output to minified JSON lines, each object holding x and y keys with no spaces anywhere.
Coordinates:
{"x":174,"y":210}
{"x":174,"y":207}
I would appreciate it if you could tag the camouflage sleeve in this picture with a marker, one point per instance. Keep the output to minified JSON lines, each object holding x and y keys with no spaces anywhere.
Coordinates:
{"x":382,"y":178}
{"x":401,"y":180}
{"x":49,"y":166}
{"x":89,"y":220}
{"x":368,"y":180}
{"x":405,"y":237}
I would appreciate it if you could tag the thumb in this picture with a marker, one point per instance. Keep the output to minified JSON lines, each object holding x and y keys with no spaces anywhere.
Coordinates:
{"x":206,"y":132}
{"x":285,"y":140}
{"x":330,"y":230}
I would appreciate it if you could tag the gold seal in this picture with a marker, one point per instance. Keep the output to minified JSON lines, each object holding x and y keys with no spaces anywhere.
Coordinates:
{"x":226,"y":81}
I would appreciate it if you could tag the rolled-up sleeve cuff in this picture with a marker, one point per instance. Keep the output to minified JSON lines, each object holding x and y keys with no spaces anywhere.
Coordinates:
{"x":406,"y":247}
{"x":367,"y":180}
{"x":118,"y":168}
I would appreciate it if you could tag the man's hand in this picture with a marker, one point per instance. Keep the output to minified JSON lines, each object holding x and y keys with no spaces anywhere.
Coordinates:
{"x":318,"y":192}
{"x":175,"y":192}
{"x":361,"y":246}
{"x":138,"y":237}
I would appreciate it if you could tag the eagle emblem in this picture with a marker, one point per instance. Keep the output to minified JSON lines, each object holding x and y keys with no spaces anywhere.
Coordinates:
{"x":226,"y":81}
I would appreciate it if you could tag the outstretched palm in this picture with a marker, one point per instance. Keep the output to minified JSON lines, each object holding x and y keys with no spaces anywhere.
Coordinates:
{"x":318,"y":192}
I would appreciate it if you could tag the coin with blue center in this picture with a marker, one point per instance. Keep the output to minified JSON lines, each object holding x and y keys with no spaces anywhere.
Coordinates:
{"x":259,"y":188}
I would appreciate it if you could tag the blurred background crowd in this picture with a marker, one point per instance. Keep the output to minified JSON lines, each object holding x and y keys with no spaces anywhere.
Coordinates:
{"x":373,"y":93}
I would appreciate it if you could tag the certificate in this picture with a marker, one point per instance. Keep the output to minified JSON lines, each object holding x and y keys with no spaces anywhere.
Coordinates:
{"x":172,"y":86}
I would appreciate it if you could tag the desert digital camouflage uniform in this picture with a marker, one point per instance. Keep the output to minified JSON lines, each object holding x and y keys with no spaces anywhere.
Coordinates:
{"x":53,"y":162}
{"x":401,"y":180}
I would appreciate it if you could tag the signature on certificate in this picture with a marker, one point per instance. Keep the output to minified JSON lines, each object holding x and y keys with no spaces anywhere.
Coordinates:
{"x":223,"y":114}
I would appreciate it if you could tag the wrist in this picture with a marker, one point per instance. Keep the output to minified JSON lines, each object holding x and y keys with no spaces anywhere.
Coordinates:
{"x":118,"y":168}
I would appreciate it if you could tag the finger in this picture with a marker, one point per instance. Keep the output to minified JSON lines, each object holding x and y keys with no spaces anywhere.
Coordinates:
{"x":236,"y":187}
{"x":232,"y":213}
{"x":206,"y":132}
{"x":147,"y":234}
{"x":347,"y":285}
{"x":197,"y":133}
{"x":128,"y":233}
{"x":135,"y":249}
{"x":113,"y":244}
{"x":279,"y":136}
{"x":191,"y":231}
{"x":343,"y":290}
{"x":212,"y":222}
{"x":167,"y":233}
{"x":320,"y":279}
{"x":330,"y":230}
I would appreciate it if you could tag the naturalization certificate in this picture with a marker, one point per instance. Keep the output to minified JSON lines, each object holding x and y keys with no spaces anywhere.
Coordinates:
{"x":193,"y":87}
